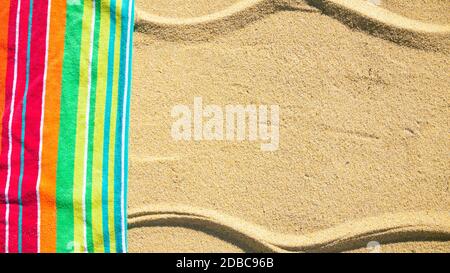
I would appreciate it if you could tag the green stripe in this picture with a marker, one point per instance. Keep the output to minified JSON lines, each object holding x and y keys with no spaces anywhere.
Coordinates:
{"x":90,"y":243}
{"x":67,"y":131}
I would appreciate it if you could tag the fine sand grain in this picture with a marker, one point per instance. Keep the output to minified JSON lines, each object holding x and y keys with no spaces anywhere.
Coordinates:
{"x":358,"y":14}
{"x":363,"y":128}
{"x":432,"y":11}
{"x":183,"y":8}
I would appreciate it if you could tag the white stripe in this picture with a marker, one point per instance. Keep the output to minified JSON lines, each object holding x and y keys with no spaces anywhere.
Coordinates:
{"x":44,"y":89}
{"x":11,"y":114}
{"x":86,"y":145}
{"x":124,"y":114}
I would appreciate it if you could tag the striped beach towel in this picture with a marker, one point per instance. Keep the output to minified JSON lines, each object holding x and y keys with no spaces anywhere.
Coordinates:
{"x":65,"y":73}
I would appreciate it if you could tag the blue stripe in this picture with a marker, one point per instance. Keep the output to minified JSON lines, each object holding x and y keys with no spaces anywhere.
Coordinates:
{"x":105,"y":198}
{"x":118,"y":179}
{"x":118,"y":140}
{"x":22,"y":138}
{"x":127,"y":123}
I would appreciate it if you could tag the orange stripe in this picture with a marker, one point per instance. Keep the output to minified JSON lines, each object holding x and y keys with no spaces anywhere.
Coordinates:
{"x":4,"y":22}
{"x":51,"y":126}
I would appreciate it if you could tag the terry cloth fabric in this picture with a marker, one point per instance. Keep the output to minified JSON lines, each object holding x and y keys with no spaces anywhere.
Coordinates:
{"x":65,"y":70}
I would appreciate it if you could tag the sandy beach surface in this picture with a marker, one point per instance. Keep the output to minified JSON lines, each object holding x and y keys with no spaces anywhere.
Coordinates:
{"x":434,"y":11}
{"x":364,"y":127}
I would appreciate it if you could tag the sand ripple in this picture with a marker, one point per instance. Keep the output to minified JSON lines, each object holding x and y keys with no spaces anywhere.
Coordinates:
{"x":355,"y":13}
{"x":391,"y":228}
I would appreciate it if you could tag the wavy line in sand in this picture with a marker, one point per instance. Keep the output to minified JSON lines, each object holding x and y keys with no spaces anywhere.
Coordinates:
{"x":400,"y":227}
{"x":355,"y":13}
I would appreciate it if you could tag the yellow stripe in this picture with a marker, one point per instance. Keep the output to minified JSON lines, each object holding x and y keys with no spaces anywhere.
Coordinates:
{"x":81,"y":136}
{"x":97,"y":228}
{"x":113,"y":127}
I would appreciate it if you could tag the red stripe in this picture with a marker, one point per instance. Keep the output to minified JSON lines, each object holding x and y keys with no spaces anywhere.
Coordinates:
{"x":17,"y":127}
{"x":15,"y":159}
{"x":4,"y":136}
{"x":33,"y":121}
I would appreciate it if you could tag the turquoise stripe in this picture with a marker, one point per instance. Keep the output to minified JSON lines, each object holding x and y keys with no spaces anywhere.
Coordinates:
{"x":22,"y":137}
{"x":118,"y":140}
{"x":105,"y":198}
{"x":118,"y":144}
{"x":130,"y":65}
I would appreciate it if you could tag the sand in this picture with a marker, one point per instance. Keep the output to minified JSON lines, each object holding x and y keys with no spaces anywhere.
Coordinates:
{"x":183,"y":8}
{"x":432,"y":11}
{"x":364,"y":99}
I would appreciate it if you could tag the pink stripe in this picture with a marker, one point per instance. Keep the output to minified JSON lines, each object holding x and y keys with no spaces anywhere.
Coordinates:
{"x":17,"y":128}
{"x":33,"y":122}
{"x":4,"y":142}
{"x":12,"y":153}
